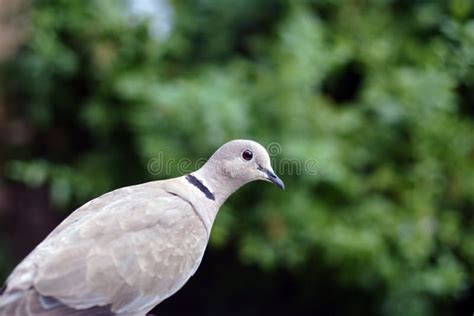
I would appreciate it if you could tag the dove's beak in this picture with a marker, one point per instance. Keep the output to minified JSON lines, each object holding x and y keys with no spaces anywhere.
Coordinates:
{"x":272,"y":177}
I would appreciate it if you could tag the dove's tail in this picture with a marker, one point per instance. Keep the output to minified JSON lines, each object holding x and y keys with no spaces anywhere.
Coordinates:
{"x":31,"y":303}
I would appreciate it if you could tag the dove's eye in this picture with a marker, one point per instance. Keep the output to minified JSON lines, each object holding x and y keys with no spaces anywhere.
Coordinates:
{"x":247,"y":155}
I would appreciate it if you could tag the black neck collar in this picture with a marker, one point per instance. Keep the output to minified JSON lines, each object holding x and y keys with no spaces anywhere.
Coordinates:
{"x":198,"y":184}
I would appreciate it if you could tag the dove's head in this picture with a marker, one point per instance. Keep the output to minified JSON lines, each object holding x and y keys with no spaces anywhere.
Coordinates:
{"x":242,"y":161}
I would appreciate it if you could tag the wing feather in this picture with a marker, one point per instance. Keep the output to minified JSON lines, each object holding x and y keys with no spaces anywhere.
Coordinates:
{"x":121,"y":250}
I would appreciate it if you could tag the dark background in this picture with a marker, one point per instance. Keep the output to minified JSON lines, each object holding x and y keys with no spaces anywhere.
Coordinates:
{"x":369,"y":106}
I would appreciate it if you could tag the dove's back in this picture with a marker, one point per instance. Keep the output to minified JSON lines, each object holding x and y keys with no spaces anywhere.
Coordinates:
{"x":120,"y":254}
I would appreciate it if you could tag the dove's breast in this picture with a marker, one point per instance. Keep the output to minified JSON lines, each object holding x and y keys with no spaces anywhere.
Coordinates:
{"x":178,"y":248}
{"x":164,"y":257}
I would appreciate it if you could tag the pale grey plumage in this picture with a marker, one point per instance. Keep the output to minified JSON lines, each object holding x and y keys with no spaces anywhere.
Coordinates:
{"x":126,"y":251}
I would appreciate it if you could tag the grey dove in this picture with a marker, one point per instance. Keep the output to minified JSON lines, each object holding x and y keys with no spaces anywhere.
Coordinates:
{"x":128,"y":250}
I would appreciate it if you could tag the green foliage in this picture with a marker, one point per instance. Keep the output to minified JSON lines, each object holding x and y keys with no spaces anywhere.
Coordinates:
{"x":380,"y":93}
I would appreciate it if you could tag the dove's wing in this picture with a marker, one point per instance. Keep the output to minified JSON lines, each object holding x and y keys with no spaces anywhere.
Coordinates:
{"x":128,"y":250}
